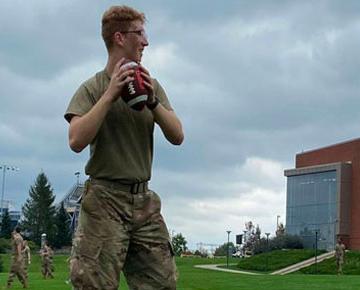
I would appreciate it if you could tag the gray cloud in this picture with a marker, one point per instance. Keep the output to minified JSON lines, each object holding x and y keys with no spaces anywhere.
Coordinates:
{"x":253,"y":82}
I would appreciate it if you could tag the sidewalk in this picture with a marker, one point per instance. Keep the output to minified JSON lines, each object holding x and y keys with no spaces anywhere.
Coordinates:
{"x":283,"y":271}
{"x":215,"y":267}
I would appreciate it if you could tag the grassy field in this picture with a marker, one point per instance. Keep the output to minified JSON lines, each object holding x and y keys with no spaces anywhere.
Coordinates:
{"x":191,"y":278}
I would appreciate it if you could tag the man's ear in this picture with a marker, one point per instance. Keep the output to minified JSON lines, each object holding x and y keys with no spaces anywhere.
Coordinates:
{"x":119,"y":38}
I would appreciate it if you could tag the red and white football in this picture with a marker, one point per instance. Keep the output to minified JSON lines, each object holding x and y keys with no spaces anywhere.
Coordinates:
{"x":135,"y":93}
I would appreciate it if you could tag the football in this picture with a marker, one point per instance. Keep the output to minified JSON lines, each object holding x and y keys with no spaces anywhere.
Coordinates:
{"x":134,"y":93}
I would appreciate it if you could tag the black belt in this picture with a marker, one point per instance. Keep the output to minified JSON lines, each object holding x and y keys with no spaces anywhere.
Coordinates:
{"x":133,"y":188}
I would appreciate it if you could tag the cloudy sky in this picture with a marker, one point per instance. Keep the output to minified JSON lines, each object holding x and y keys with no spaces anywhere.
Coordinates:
{"x":254,"y":83}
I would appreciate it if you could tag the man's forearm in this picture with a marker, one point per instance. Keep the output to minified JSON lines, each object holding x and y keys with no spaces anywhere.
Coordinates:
{"x":83,"y":129}
{"x":169,"y":124}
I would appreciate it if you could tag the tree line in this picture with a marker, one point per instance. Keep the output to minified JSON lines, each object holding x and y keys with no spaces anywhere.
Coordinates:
{"x":40,"y":215}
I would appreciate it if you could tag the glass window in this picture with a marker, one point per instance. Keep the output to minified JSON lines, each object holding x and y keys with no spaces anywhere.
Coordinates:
{"x":311,"y":207}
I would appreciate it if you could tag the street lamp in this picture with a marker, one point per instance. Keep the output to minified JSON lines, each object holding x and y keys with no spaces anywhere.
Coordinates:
{"x":267,"y":250}
{"x":277,"y":222}
{"x":316,"y":247}
{"x":4,"y":169}
{"x":243,"y":249}
{"x":227,"y":256}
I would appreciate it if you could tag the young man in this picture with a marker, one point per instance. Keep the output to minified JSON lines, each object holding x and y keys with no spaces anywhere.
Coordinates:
{"x":46,"y":255}
{"x":17,"y":261}
{"x":339,"y":255}
{"x":120,"y":224}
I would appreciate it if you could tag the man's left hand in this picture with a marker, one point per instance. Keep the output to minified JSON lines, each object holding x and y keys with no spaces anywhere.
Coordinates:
{"x":148,"y":84}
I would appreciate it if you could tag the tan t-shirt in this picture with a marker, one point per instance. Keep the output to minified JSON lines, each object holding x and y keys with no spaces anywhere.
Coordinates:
{"x":17,"y":240}
{"x":123,"y":147}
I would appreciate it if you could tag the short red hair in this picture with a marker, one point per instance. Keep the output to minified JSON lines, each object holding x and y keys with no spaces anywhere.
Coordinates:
{"x":118,"y":18}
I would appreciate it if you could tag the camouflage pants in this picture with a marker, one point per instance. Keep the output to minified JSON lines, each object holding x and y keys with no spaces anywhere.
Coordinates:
{"x":17,"y":269}
{"x":46,"y":268}
{"x":119,"y":231}
{"x":339,"y":263}
{"x":26,"y":265}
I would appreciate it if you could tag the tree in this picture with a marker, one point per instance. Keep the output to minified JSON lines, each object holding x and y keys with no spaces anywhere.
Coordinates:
{"x":222,"y":250}
{"x":39,"y":211}
{"x":63,"y":233}
{"x":280,"y":230}
{"x":252,"y":237}
{"x":179,"y":244}
{"x":6,"y":228}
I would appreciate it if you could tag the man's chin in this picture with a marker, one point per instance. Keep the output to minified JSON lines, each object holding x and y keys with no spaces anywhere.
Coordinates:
{"x":135,"y":59}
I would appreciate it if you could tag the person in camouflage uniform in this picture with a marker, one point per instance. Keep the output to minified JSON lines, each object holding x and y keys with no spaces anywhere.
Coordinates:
{"x":17,"y":260}
{"x":120,"y":225}
{"x":46,"y":261}
{"x":339,"y":255}
{"x":26,"y":256}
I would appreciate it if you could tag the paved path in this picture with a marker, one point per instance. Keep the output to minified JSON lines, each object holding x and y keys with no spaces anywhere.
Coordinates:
{"x":217,"y":268}
{"x":283,"y":271}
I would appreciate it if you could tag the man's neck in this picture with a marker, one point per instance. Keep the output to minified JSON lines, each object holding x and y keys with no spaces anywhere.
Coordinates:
{"x":112,"y":61}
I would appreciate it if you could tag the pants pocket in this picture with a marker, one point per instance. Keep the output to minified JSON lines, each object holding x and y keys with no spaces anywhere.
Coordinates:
{"x":84,"y":264}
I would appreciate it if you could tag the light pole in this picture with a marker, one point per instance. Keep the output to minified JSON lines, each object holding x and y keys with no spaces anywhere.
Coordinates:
{"x":243,"y":249}
{"x":4,"y":169}
{"x":277,"y":222}
{"x":267,"y":250}
{"x":316,"y":234}
{"x":227,"y":256}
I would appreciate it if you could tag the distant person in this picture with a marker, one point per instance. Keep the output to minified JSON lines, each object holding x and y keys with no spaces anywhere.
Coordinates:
{"x":17,"y":260}
{"x":46,"y":261}
{"x":26,"y":256}
{"x":120,"y":225}
{"x":339,"y":255}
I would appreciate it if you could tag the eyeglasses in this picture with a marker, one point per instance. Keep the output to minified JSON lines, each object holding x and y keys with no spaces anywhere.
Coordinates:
{"x":141,"y":33}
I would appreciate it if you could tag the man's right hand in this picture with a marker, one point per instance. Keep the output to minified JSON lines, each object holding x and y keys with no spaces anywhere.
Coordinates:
{"x":121,"y":75}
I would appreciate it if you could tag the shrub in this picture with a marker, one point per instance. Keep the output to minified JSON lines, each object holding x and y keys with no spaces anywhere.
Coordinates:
{"x":277,"y":243}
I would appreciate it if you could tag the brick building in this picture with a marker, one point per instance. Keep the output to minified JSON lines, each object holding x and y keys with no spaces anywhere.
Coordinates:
{"x":323,"y":195}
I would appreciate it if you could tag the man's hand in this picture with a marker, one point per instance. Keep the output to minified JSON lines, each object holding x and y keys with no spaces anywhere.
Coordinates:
{"x":120,"y":76}
{"x":148,"y":84}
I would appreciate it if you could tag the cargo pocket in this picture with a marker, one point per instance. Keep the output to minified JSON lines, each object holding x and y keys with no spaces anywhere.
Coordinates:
{"x":84,"y":263}
{"x":91,"y":200}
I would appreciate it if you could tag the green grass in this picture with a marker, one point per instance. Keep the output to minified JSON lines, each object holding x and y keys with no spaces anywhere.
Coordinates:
{"x":191,"y":278}
{"x":275,"y":260}
{"x":350,"y":267}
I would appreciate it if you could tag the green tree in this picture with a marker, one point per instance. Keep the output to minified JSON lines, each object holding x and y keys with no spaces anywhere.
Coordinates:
{"x":222,"y":250}
{"x":179,"y":244}
{"x":6,"y":228}
{"x":251,"y":237}
{"x":63,"y":232}
{"x":39,"y":211}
